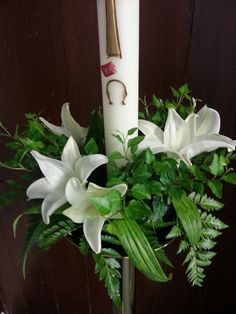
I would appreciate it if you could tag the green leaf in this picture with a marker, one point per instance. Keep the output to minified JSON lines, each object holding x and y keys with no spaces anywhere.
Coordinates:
{"x":29,"y":211}
{"x":215,"y":167}
{"x":35,"y":229}
{"x":136,"y":210}
{"x":216,"y":188}
{"x":184,"y":89}
{"x":141,"y":173}
{"x":149,"y":156}
{"x":91,"y":147}
{"x":209,"y":220}
{"x":110,"y":253}
{"x":160,"y":208}
{"x":175,"y":92}
{"x":108,"y":269}
{"x":132,"y":131}
{"x":140,"y":192}
{"x":230,"y":178}
{"x":158,"y":103}
{"x":116,"y":156}
{"x":108,"y":203}
{"x":119,"y":138}
{"x":183,"y":246}
{"x":206,"y":202}
{"x":188,"y":214}
{"x":133,"y":142}
{"x":138,"y":248}
{"x":175,"y":232}
{"x":83,"y":246}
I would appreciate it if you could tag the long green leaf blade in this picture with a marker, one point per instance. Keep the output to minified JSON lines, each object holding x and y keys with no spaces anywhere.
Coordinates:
{"x":138,"y":248}
{"x":188,"y":214}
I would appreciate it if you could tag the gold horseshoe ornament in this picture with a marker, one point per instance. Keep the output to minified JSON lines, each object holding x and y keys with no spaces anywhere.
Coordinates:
{"x":124,"y":91}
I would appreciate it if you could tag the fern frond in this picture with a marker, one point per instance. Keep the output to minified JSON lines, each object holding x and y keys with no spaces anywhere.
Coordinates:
{"x":175,"y":232}
{"x":208,"y":220}
{"x":108,"y":269}
{"x":207,"y":203}
{"x":55,"y":231}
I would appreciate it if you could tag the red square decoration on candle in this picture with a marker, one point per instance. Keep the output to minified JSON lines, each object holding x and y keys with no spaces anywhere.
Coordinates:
{"x":108,"y":69}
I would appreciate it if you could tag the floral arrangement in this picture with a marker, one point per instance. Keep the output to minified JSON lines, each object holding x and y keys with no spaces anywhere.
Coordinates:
{"x":166,"y":185}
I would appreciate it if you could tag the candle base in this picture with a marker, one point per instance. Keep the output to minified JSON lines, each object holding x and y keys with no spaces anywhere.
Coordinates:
{"x":127,"y":288}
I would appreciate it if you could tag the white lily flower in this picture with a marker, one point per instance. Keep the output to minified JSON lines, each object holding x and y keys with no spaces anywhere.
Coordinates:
{"x":69,"y":126}
{"x":58,"y":172}
{"x":184,"y":139}
{"x":83,"y":211}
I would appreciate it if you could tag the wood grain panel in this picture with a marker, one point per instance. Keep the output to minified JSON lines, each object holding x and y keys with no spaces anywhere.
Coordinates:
{"x":164,"y":37}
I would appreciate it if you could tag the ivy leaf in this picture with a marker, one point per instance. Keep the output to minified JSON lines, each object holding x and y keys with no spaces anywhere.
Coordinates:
{"x":115,"y":156}
{"x":216,"y":167}
{"x":216,"y":188}
{"x":91,"y":147}
{"x":230,"y":178}
{"x":149,"y":156}
{"x":141,"y":172}
{"x":108,"y":203}
{"x":159,"y":209}
{"x":136,"y":210}
{"x":188,"y":214}
{"x":140,"y":192}
{"x":138,"y":248}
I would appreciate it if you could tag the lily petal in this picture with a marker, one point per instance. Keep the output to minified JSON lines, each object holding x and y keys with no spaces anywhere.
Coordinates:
{"x":76,"y":213}
{"x":79,"y":133}
{"x":75,"y":193}
{"x":39,"y":189}
{"x":151,"y":130}
{"x":86,"y":164}
{"x":50,"y":204}
{"x":207,"y":143}
{"x":96,"y":190}
{"x":70,"y":153}
{"x":58,"y":130}
{"x":54,"y":170}
{"x":154,"y":146}
{"x":176,"y":133}
{"x":92,"y":230}
{"x":207,"y":122}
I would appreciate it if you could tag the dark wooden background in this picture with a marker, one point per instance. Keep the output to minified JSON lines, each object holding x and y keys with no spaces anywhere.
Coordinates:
{"x":49,"y":55}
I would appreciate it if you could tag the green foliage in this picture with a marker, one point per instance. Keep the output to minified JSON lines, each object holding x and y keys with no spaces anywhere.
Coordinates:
{"x":108,"y":269}
{"x":138,"y":248}
{"x":188,"y":214}
{"x":205,"y":202}
{"x":230,"y":178}
{"x":91,"y":147}
{"x":107,"y":204}
{"x":37,"y":137}
{"x":166,"y":199}
{"x":156,"y":110}
{"x":42,"y":235}
{"x":58,"y":228}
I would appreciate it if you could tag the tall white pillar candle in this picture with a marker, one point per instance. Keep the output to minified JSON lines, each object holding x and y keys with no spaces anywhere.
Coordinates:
{"x":118,"y":22}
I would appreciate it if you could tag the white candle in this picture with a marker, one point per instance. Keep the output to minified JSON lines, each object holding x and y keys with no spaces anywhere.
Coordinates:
{"x":120,"y":88}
